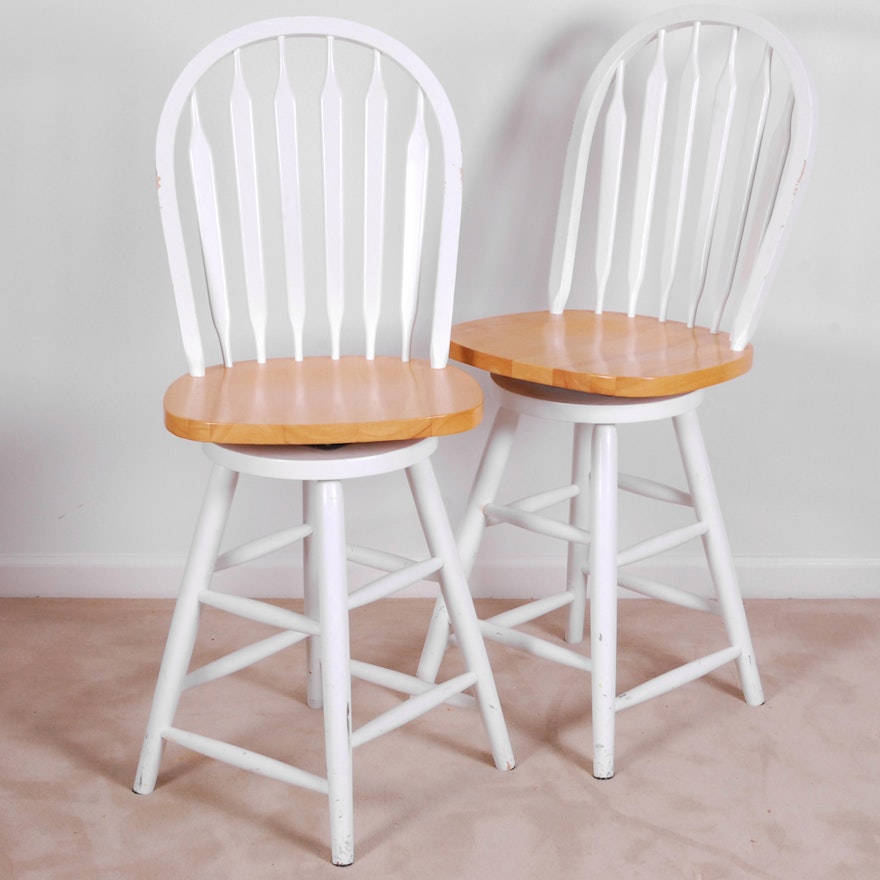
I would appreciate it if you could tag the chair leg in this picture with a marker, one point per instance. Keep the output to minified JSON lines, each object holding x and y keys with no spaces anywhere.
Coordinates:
{"x":717,"y":548}
{"x":579,"y":554}
{"x":460,"y":606}
{"x":327,"y":514}
{"x":603,"y":596}
{"x":311,"y":595}
{"x":493,"y":462}
{"x":184,"y":623}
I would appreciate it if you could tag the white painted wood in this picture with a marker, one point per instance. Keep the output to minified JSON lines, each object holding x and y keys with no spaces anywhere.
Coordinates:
{"x":394,"y":582}
{"x":417,"y":705}
{"x":609,"y":187}
{"x":306,"y":462}
{"x":679,"y":168}
{"x":246,"y":760}
{"x":764,"y":222}
{"x":646,"y":170}
{"x":413,"y":224}
{"x":460,"y":607}
{"x":375,"y":150}
{"x":748,"y":156}
{"x":542,"y":500}
{"x":291,"y":203}
{"x":334,"y":201}
{"x":603,"y":596}
{"x":205,"y":192}
{"x":535,"y":645}
{"x":654,"y":589}
{"x":311,"y":570}
{"x":241,"y":114}
{"x":710,"y":194}
{"x":652,"y":489}
{"x":698,"y":471}
{"x":441,"y":147}
{"x":382,"y":560}
{"x":241,"y":659}
{"x":661,"y":543}
{"x":696,"y":174}
{"x":682,"y":675}
{"x":494,"y":460}
{"x":534,"y":522}
{"x":328,"y":542}
{"x":530,"y":610}
{"x":470,"y":531}
{"x":260,"y":612}
{"x":408,"y":684}
{"x":260,"y":547}
{"x":578,"y":558}
{"x":184,"y":623}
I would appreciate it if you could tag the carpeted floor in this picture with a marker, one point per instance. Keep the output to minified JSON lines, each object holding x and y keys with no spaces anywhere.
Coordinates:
{"x":707,"y":788}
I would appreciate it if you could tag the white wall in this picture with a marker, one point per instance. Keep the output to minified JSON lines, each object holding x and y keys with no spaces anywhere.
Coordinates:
{"x":95,"y":496}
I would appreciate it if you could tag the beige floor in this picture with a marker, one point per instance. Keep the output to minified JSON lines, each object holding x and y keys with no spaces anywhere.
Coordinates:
{"x":706,"y":788}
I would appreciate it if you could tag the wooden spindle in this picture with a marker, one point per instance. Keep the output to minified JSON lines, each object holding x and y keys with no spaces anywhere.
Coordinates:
{"x":680,"y":167}
{"x":719,"y":139}
{"x":414,"y":222}
{"x":753,"y":137}
{"x":646,"y":172}
{"x":609,"y":186}
{"x":331,"y":128}
{"x":291,"y":204}
{"x":205,"y":195}
{"x":241,"y":115}
{"x":375,"y":152}
{"x":776,"y":175}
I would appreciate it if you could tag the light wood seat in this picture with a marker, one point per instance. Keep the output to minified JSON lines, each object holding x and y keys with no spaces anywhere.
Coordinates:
{"x":611,"y":353}
{"x":321,"y":400}
{"x":324,"y":159}
{"x":688,"y":154}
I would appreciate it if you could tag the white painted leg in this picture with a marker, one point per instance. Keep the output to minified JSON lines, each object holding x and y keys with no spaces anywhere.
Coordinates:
{"x":718,"y":554}
{"x":310,"y":608}
{"x":579,"y":554}
{"x":489,"y":474}
{"x":328,"y":547}
{"x":603,"y":596}
{"x":184,"y":623}
{"x":460,"y":606}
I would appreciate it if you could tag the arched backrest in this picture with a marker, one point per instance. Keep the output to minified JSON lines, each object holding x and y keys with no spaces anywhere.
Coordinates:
{"x":688,"y":153}
{"x":299,"y":196}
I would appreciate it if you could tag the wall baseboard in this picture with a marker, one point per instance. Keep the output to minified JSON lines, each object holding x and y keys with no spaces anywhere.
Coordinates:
{"x":153,"y":578}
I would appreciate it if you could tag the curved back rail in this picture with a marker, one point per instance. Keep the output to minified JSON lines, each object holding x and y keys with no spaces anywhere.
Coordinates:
{"x":310,"y":190}
{"x":687,"y":156}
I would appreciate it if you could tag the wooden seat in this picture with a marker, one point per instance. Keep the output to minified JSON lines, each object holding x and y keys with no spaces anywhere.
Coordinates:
{"x":611,"y":353}
{"x":321,"y":400}
{"x":688,"y":155}
{"x":324,"y":160}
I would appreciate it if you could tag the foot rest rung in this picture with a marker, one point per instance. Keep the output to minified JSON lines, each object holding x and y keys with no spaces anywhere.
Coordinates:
{"x":535,"y":522}
{"x":412,"y":708}
{"x":676,"y":678}
{"x":245,"y":759}
{"x":403,"y":683}
{"x":235,"y":661}
{"x":534,"y":645}
{"x":260,"y":612}
{"x":394,"y":581}
{"x":530,"y":610}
